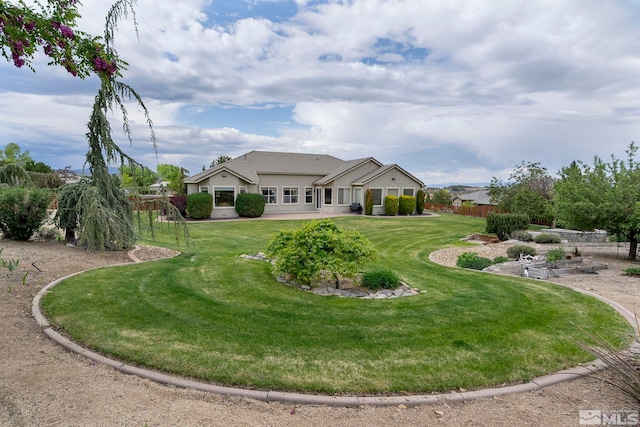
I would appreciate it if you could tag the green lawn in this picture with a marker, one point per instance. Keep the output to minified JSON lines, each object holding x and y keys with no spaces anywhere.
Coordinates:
{"x":211,"y":315}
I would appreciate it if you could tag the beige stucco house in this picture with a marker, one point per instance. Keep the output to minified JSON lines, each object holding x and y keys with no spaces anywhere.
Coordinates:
{"x":298,"y":182}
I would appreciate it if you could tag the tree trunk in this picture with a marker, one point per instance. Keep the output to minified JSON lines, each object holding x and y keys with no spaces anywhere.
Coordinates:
{"x":633,"y":247}
{"x":69,"y":235}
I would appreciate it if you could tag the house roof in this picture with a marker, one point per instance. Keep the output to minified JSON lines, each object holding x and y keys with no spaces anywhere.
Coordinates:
{"x":480,"y":197}
{"x":328,"y":168}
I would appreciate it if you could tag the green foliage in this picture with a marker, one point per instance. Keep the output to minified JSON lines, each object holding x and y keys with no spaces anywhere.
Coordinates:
{"x":518,"y":250}
{"x":174,"y":175}
{"x":391,"y":205}
{"x":442,"y":197}
{"x":136,"y":176}
{"x":19,"y":169}
{"x":500,"y":259}
{"x":250,"y":205}
{"x":9,"y":264}
{"x":555,"y":254}
{"x":473,"y":261}
{"x":378,"y":279}
{"x":522,"y":235}
{"x":368,"y":202}
{"x":199,"y":205}
{"x":179,"y":201}
{"x":632,"y":271}
{"x":319,"y":246}
{"x":13,"y":155}
{"x":502,"y":225}
{"x":420,"y":201}
{"x":22,"y":211}
{"x":219,"y":160}
{"x":528,"y":191}
{"x":547,"y":238}
{"x":604,"y":196}
{"x":406,"y":205}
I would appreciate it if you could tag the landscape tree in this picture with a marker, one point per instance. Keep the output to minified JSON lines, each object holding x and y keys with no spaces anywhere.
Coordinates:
{"x":135,"y":176}
{"x":175,"y":175}
{"x":13,"y":155}
{"x":221,"y":159}
{"x":52,"y":28}
{"x":529,"y":190}
{"x":603,"y":196}
{"x":442,"y":197}
{"x":17,"y":168}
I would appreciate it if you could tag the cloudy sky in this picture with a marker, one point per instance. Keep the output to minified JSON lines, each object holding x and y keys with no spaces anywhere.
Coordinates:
{"x":453,"y":91}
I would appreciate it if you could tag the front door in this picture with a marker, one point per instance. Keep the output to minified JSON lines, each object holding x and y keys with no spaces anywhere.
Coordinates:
{"x":357,"y":195}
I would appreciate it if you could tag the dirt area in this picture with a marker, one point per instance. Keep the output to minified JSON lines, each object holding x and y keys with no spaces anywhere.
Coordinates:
{"x":43,"y":385}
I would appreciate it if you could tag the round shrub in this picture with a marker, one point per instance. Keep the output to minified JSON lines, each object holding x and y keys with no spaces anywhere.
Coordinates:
{"x":522,"y":235}
{"x":555,"y":255}
{"x":250,"y":205}
{"x":503,"y":224}
{"x":547,"y":238}
{"x":518,"y":250}
{"x":380,"y":279}
{"x":473,"y":261}
{"x":500,"y":259}
{"x":406,"y":205}
{"x":22,"y":211}
{"x":199,"y":205}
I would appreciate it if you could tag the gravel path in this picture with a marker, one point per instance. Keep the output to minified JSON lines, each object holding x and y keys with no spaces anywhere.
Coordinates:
{"x":43,"y":385}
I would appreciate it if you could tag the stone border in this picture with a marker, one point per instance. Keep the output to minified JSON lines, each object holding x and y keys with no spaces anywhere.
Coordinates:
{"x":308,"y":399}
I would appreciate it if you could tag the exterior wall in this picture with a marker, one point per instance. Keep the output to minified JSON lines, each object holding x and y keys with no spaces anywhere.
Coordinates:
{"x":218,"y":181}
{"x":391,"y":180}
{"x":279,"y":182}
{"x":344,"y":182}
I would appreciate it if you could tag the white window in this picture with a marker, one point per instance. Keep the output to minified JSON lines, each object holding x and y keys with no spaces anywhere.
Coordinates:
{"x":224,"y":197}
{"x":270,"y":195}
{"x":393,"y":192}
{"x":289,"y":195}
{"x":408,"y":191}
{"x":308,"y":195}
{"x":328,"y":196}
{"x":204,"y":189}
{"x":377,"y":196}
{"x":344,"y":196}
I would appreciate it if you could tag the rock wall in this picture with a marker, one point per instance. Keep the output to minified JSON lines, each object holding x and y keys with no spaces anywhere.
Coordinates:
{"x":597,"y":236}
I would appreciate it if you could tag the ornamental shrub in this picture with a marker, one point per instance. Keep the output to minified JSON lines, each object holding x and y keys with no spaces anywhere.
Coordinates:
{"x":199,"y":205}
{"x":180,"y":203}
{"x":391,"y":205}
{"x":500,"y":259}
{"x":22,"y":211}
{"x":406,"y":205}
{"x":518,"y":250}
{"x":503,"y":224}
{"x":473,"y":261}
{"x":317,"y":247}
{"x":250,"y":205}
{"x":368,"y":202}
{"x":522,"y":235}
{"x":547,"y":238}
{"x":380,"y":279}
{"x":555,"y":255}
{"x":420,"y":201}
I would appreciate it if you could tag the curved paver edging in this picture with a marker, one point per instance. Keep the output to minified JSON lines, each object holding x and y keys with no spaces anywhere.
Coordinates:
{"x":308,"y":399}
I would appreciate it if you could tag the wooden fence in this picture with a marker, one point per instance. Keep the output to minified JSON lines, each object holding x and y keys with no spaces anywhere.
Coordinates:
{"x":477,"y":211}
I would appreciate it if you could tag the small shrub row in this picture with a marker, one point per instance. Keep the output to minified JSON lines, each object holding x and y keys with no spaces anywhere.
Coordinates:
{"x":380,"y":279}
{"x":522,"y":235}
{"x":503,"y":224}
{"x":518,"y":250}
{"x":547,"y":238}
{"x":475,"y":262}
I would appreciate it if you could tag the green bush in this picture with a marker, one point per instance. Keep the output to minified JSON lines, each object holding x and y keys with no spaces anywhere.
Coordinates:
{"x":368,"y":202}
{"x":199,"y":205}
{"x":517,"y":250}
{"x":555,"y":255}
{"x":632,"y":271}
{"x":319,"y":246}
{"x":22,"y":211}
{"x":391,"y":205}
{"x":500,"y":259}
{"x":503,"y":224}
{"x":406,"y":205}
{"x":522,"y":235}
{"x":473,"y":261}
{"x":380,"y":279}
{"x":547,"y":238}
{"x":250,"y":205}
{"x":420,"y":201}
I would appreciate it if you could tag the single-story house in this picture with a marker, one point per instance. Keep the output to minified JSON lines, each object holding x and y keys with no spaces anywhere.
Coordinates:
{"x":479,"y":198}
{"x":298,"y":182}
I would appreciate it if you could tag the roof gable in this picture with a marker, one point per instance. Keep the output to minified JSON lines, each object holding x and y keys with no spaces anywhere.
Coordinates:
{"x":382,"y":170}
{"x":346,"y":167}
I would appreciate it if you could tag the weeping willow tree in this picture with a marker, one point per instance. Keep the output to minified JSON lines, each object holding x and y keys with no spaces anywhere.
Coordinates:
{"x":96,"y":207}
